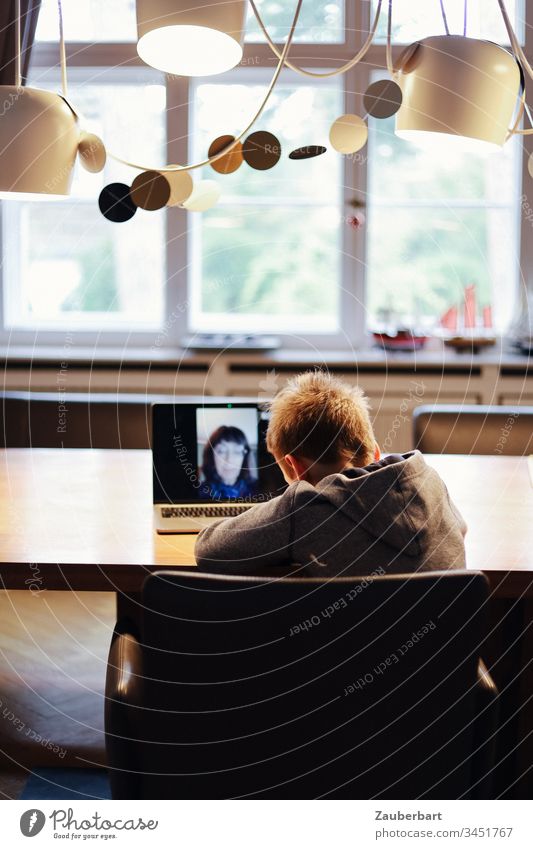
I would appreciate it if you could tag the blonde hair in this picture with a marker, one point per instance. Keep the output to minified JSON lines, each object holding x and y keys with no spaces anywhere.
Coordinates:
{"x":322,"y":418}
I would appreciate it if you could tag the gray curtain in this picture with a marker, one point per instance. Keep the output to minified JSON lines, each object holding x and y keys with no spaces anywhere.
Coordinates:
{"x":28,"y":24}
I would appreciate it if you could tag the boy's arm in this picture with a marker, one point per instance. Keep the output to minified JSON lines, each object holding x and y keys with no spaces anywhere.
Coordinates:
{"x":257,"y":539}
{"x":461,"y":522}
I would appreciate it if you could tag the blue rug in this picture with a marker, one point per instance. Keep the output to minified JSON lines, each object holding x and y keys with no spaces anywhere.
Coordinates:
{"x":51,"y":783}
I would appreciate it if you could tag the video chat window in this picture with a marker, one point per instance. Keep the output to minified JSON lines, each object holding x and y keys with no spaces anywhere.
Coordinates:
{"x":227,"y":452}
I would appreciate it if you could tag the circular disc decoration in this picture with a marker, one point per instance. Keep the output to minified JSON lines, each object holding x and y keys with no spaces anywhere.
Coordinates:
{"x":348,"y":134}
{"x":226,"y":164}
{"x":181,"y":186}
{"x":150,"y":190}
{"x":205,"y":195}
{"x":530,"y":165}
{"x":383,"y":98}
{"x":307,"y":152}
{"x":115,"y":203}
{"x":261,"y":150}
{"x":91,"y":152}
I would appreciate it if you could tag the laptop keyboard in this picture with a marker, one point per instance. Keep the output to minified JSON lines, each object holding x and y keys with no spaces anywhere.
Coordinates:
{"x":218,"y":511}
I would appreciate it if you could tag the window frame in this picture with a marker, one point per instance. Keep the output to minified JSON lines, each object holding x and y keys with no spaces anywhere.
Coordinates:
{"x":178,"y":234}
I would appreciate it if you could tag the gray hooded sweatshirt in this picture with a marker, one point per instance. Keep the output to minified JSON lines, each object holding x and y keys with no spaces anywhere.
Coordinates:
{"x":394,"y":516}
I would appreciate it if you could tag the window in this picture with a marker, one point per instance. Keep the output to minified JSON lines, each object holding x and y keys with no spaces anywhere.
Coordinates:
{"x":448,"y":219}
{"x":88,"y":20}
{"x":451,"y":217}
{"x":319,"y":22}
{"x":74,"y":269}
{"x":267,"y":258}
{"x":417,"y":20}
{"x":95,"y":20}
{"x":278,"y":253}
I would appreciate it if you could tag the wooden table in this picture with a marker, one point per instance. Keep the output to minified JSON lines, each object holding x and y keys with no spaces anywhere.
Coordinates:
{"x":82,"y":520}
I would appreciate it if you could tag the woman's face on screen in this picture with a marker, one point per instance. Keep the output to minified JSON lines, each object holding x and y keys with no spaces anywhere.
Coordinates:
{"x":229,"y":457}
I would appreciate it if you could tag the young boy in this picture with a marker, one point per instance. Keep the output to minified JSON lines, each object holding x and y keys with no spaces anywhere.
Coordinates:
{"x":345,"y":511}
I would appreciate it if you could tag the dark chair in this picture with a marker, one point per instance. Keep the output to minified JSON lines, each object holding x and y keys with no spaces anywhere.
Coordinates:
{"x":75,"y":420}
{"x":81,"y":420}
{"x":303,"y":688}
{"x":472,"y":429}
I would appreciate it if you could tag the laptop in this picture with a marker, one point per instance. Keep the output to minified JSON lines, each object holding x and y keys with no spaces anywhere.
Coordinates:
{"x":210,"y":462}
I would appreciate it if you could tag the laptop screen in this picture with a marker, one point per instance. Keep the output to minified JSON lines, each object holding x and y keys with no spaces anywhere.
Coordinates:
{"x":214,"y":452}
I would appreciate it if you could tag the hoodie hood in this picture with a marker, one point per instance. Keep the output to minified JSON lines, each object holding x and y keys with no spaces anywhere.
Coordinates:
{"x":399,"y":500}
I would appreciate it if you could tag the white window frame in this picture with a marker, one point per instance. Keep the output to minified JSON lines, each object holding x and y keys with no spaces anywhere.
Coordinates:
{"x":177,"y":243}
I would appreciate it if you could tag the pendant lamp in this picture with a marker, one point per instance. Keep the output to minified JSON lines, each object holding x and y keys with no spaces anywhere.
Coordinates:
{"x":39,"y":135}
{"x":459,"y":87}
{"x":191,"y":37}
{"x":39,"y":138}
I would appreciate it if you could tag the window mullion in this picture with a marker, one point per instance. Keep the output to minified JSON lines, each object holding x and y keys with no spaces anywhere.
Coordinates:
{"x":177,"y":241}
{"x":356,"y":21}
{"x":352,"y":301}
{"x":523,"y":209}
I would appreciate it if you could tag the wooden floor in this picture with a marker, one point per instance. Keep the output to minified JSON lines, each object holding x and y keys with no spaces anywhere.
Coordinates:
{"x":53,"y":655}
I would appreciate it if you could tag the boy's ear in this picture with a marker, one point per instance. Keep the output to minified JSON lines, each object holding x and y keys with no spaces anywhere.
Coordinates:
{"x":298,"y":467}
{"x":377,"y":453}
{"x":287,"y":459}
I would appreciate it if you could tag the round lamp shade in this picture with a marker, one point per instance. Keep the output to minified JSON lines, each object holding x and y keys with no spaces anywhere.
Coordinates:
{"x":191,"y":37}
{"x":457,"y":86}
{"x":39,"y":137}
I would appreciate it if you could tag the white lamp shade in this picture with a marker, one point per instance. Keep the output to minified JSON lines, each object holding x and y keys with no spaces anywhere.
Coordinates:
{"x":191,"y":37}
{"x":459,"y":87}
{"x":39,"y":138}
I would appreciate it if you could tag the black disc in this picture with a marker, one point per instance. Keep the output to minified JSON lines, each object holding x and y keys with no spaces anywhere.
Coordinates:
{"x":116,"y":204}
{"x":307,"y":152}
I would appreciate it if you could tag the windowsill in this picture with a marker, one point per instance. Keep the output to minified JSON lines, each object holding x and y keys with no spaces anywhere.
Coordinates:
{"x":52,"y":356}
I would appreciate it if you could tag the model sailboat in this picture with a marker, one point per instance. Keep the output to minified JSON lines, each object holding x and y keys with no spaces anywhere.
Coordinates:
{"x":464,"y":327}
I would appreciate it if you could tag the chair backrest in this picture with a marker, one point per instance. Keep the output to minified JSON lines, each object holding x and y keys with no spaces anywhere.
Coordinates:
{"x":302,"y":688}
{"x":77,"y":419}
{"x":80,"y":419}
{"x":471,"y":429}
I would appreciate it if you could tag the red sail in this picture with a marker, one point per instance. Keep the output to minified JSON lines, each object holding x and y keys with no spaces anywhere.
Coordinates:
{"x":449,"y":319}
{"x":469,"y":319}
